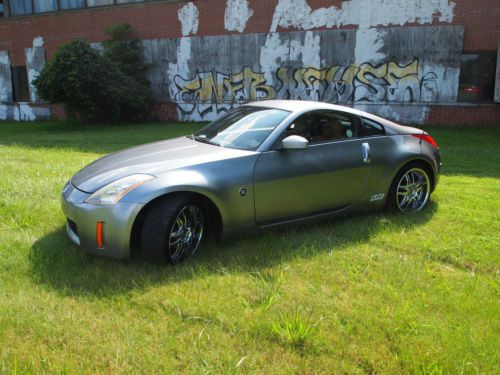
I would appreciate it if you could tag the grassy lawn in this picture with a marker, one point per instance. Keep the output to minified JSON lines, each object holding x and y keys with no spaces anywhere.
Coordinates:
{"x":376,"y":293}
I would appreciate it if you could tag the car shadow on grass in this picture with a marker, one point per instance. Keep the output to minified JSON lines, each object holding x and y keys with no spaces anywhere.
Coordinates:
{"x":58,"y":264}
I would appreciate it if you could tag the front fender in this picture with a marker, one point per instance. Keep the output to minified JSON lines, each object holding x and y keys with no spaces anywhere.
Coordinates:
{"x":221,"y":183}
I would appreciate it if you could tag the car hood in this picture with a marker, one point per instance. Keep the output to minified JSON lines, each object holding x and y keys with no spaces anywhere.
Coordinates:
{"x":152,"y":158}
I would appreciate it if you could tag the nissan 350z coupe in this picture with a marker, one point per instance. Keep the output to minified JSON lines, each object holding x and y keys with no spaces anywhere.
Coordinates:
{"x":259,"y":165}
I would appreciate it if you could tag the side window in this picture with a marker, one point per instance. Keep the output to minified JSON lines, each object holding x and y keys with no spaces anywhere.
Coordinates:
{"x":371,"y":128}
{"x":324,"y":126}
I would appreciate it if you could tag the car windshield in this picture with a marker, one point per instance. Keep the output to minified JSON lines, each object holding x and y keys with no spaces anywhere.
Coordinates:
{"x":243,"y":128}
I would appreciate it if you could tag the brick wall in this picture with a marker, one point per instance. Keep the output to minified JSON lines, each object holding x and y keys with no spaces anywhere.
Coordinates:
{"x":481,"y":19}
{"x":465,"y":114}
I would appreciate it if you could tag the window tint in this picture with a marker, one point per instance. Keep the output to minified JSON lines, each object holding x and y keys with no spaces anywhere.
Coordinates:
{"x":42,"y":6}
{"x":19,"y":7}
{"x":244,"y":127}
{"x":72,"y":4}
{"x":371,"y":128}
{"x":477,"y":77}
{"x":323,"y":126}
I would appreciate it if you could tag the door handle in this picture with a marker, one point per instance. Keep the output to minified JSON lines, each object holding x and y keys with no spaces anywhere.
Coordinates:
{"x":365,"y":147}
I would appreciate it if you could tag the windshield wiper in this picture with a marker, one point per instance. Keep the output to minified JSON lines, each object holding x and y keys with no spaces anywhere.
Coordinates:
{"x":202,"y":140}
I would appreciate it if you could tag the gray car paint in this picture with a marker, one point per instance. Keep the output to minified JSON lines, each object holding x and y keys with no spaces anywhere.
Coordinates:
{"x":281,"y":185}
{"x":295,"y":182}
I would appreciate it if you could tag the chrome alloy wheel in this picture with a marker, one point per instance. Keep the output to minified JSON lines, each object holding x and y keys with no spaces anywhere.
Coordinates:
{"x":186,"y":232}
{"x":413,"y":190}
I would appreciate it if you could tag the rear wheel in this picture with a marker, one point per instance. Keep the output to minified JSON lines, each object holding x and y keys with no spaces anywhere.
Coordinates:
{"x":173,"y":229}
{"x":410,"y":191}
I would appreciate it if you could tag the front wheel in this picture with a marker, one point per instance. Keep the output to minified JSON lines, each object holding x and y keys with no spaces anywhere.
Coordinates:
{"x":173,"y":229}
{"x":410,"y":190}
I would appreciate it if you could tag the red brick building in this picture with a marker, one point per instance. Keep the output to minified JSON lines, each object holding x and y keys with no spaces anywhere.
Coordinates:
{"x":416,"y":61}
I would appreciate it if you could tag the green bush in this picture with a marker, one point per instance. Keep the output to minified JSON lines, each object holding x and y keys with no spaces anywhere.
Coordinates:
{"x":124,"y":52}
{"x":91,"y":86}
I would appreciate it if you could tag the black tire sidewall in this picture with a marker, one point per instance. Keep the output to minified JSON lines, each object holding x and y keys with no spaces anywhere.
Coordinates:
{"x":157,"y":227}
{"x":392,"y":203}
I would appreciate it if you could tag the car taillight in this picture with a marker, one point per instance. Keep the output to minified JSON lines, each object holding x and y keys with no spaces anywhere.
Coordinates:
{"x":427,"y":138}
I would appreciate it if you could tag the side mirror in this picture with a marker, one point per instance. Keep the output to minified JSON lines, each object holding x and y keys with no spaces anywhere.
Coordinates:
{"x":295,"y":142}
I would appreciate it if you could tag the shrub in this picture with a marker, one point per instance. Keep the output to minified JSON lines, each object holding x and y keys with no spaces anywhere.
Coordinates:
{"x":91,"y":86}
{"x":125,"y":53}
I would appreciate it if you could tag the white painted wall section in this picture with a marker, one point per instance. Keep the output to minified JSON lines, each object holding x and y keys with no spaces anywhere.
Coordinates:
{"x":237,"y":15}
{"x":307,"y":53}
{"x":35,"y":62}
{"x":6,"y":94}
{"x":38,"y":41}
{"x":189,"y":17}
{"x":273,"y":54}
{"x":362,"y":13}
{"x":369,"y":42}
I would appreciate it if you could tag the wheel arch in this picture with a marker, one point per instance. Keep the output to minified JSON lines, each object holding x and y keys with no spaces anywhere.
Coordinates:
{"x":422,"y":161}
{"x":212,"y":216}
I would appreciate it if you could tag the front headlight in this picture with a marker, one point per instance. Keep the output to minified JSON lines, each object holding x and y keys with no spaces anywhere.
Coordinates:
{"x":113,"y":192}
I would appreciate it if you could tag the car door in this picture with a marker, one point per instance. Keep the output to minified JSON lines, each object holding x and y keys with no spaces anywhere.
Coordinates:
{"x":327,"y":176}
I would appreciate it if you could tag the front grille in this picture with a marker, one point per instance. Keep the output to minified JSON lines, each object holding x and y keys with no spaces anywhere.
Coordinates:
{"x":72,"y":226}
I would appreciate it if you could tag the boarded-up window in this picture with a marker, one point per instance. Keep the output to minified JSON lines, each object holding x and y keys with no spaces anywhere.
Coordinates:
{"x":497,"y":79}
{"x":20,"y":84}
{"x":477,"y":77}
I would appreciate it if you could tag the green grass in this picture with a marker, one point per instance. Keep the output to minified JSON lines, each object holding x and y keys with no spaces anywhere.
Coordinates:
{"x":374,"y":293}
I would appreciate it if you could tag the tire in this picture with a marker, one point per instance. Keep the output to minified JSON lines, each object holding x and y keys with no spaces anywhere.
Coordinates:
{"x":411,"y":189}
{"x":173,"y":229}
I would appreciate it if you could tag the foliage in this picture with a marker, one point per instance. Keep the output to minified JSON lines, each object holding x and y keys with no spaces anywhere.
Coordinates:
{"x":295,"y":329}
{"x":125,"y":53}
{"x":91,"y":86}
{"x":395,"y":294}
{"x":267,"y":287}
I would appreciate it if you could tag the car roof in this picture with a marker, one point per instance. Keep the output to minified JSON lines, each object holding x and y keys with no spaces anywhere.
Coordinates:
{"x":300,"y":106}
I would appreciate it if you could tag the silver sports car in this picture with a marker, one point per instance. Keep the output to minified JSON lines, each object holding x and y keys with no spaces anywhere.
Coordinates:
{"x":259,"y":165}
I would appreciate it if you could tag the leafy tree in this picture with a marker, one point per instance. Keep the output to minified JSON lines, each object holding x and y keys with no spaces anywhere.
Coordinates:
{"x":98,"y":87}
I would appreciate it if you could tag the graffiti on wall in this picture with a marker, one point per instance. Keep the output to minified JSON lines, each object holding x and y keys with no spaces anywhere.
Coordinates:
{"x":209,"y":92}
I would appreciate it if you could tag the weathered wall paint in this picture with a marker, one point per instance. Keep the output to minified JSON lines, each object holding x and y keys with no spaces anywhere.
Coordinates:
{"x":6,"y":111}
{"x":363,"y":13}
{"x":189,"y":18}
{"x":386,"y":82}
{"x":206,"y":76}
{"x":38,"y":41}
{"x":406,"y":113}
{"x":35,"y":62}
{"x":5,"y":78}
{"x":24,"y":112}
{"x":237,"y":15}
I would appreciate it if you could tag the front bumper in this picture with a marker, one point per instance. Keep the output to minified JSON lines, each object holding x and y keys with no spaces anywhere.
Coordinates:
{"x":117,"y":220}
